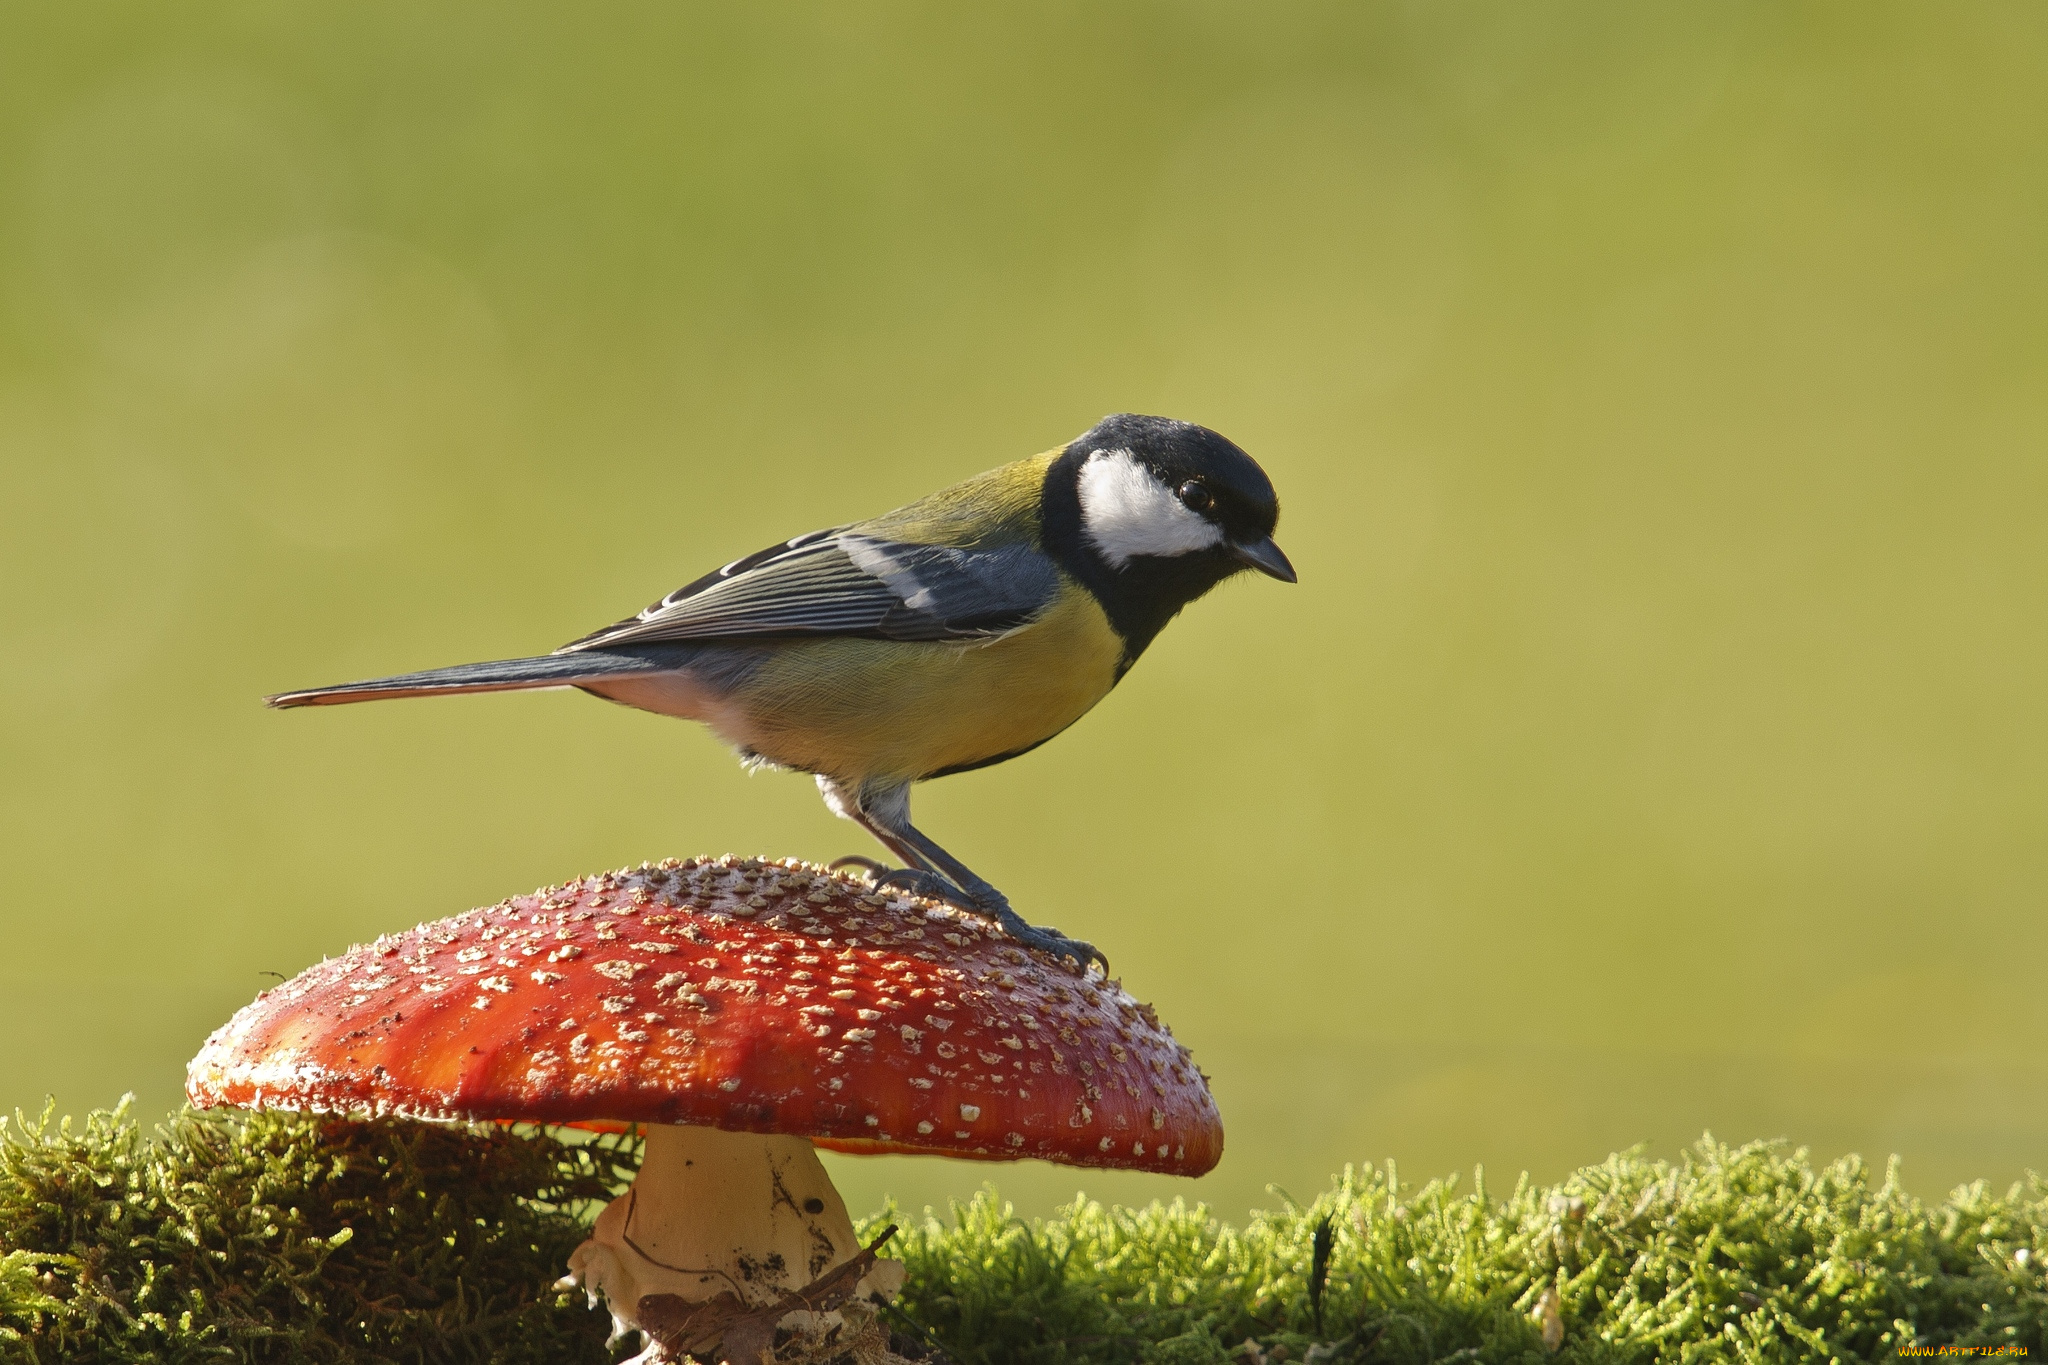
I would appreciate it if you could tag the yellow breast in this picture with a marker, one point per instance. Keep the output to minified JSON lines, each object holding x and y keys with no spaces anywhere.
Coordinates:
{"x":864,"y":709}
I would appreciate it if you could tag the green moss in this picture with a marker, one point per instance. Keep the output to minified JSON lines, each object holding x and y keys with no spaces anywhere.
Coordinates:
{"x":277,"y":1237}
{"x":286,"y":1238}
{"x":1734,"y":1254}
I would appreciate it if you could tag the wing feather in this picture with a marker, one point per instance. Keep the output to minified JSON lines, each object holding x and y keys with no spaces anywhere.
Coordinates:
{"x":843,"y":582}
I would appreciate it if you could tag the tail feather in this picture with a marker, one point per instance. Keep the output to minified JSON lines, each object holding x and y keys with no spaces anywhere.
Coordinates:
{"x":502,"y":675}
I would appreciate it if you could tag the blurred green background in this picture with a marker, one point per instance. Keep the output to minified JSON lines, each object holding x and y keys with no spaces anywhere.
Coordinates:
{"x":1656,"y":738}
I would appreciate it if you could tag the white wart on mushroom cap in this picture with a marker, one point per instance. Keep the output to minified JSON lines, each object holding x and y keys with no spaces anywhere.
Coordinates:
{"x":735,"y":994}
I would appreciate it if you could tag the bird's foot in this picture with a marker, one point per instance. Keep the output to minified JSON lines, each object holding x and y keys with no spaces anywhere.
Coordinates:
{"x":1050,"y":940}
{"x":930,"y":885}
{"x":876,"y":869}
{"x":993,"y":905}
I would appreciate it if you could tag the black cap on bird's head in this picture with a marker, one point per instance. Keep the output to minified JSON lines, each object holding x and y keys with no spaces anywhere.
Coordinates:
{"x":1151,"y":513}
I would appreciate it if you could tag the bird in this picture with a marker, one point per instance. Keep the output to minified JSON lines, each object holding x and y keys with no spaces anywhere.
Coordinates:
{"x":954,"y":633}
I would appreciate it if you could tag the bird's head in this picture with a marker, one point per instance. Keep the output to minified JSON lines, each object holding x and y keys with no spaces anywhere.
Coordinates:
{"x":1151,"y":487}
{"x":1151,"y":513}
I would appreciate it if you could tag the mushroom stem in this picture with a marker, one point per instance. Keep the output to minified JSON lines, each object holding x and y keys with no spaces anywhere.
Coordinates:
{"x":712,"y":1212}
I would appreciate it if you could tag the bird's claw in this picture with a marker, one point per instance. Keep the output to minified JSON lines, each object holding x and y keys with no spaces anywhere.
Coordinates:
{"x":1052,"y":941}
{"x":932,"y":886}
{"x":918,"y":882}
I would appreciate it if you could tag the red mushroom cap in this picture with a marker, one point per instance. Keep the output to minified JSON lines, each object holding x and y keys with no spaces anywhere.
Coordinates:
{"x":750,"y":996}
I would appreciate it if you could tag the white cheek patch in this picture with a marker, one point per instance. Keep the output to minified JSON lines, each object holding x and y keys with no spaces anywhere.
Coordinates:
{"x":1125,"y":512}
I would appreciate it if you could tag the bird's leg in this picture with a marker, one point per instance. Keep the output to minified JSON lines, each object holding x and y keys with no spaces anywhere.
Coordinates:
{"x":962,"y":887}
{"x":985,"y":898}
{"x":864,"y":806}
{"x":918,"y":877}
{"x":883,"y":810}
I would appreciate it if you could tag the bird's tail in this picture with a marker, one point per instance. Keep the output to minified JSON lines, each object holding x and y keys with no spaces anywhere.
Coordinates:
{"x":503,"y":675}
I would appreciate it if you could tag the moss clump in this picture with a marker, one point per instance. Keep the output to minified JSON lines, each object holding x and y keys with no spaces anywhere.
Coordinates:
{"x":281,"y":1237}
{"x":1734,"y":1254}
{"x":290,"y":1238}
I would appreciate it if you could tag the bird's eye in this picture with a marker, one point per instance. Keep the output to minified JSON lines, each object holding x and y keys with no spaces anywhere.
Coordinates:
{"x":1195,"y":497}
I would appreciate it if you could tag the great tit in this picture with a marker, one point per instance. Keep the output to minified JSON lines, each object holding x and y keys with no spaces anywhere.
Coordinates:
{"x":962,"y":630}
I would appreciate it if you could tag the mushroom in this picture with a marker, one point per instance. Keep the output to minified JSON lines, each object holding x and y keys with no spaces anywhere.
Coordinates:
{"x":743,"y":1011}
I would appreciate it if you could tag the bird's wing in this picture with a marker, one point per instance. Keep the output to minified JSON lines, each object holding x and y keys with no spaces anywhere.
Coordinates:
{"x":843,"y":581}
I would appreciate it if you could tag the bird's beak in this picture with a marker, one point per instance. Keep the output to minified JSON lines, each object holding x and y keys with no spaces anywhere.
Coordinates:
{"x":1264,"y":556}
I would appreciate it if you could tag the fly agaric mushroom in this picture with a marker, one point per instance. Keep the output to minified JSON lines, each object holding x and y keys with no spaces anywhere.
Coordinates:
{"x":742,"y":1011}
